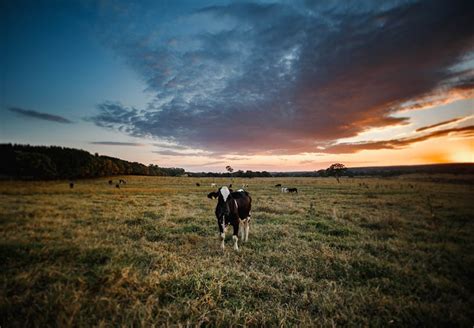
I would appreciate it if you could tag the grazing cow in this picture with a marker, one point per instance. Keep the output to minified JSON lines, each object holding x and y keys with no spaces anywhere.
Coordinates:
{"x":198,"y":184}
{"x":292,"y":190}
{"x":122,"y":181}
{"x":278,"y":185}
{"x":71,"y":184}
{"x":117,"y":186}
{"x":245,"y":185}
{"x":233,"y":208}
{"x":213,"y":185}
{"x":284,"y":189}
{"x":110,"y":182}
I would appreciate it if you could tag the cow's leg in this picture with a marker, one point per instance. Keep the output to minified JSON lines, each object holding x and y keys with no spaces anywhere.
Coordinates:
{"x":242,"y":230}
{"x":222,"y":233}
{"x":235,"y":237}
{"x":247,"y":227}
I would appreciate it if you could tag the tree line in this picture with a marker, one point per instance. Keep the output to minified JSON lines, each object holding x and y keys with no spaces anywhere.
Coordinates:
{"x":236,"y":174}
{"x":54,"y":162}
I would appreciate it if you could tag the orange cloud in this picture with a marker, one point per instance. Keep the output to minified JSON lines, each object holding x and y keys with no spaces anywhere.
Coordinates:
{"x":345,"y":148}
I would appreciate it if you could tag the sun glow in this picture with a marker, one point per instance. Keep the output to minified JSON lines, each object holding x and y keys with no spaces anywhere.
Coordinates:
{"x":463,"y":156}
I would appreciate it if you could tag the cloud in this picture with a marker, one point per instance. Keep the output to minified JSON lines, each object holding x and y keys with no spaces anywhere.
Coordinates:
{"x":116,"y":143}
{"x":169,"y":146}
{"x":284,"y":78}
{"x":345,"y":148}
{"x":39,"y":115}
{"x":428,"y":127}
{"x":176,"y":153}
{"x":206,"y":164}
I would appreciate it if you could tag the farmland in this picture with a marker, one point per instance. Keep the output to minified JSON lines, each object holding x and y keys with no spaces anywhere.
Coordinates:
{"x":366,"y":251}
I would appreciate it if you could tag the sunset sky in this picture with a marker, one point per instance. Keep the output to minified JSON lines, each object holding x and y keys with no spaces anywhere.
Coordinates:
{"x":259,"y":85}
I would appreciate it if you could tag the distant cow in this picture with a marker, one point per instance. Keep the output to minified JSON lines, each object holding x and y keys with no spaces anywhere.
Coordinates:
{"x":198,"y":184}
{"x":117,"y":186}
{"x":121,"y":181}
{"x":110,"y":182}
{"x":245,"y":185}
{"x":71,"y":184}
{"x":233,"y":208}
{"x":213,"y":185}
{"x":230,"y":186}
{"x":284,"y":189}
{"x":292,"y":190}
{"x":278,"y":185}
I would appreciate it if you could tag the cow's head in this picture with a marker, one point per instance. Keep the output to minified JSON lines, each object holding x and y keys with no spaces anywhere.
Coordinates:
{"x":222,"y":208}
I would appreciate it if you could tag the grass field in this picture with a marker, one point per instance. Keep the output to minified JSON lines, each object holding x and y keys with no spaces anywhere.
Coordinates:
{"x":365,"y":252}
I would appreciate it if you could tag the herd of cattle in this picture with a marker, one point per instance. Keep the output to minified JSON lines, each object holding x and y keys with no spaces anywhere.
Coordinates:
{"x":233,"y":208}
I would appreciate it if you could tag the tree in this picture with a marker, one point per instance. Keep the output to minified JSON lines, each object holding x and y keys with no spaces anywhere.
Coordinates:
{"x":336,"y":170}
{"x":229,"y":169}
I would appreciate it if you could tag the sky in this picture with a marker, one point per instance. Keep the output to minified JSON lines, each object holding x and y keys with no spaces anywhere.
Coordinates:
{"x":258,"y":85}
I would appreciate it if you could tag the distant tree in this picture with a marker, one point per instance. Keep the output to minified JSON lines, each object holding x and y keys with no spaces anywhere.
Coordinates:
{"x":229,"y":169}
{"x":321,"y":173}
{"x":336,"y":170}
{"x":42,"y":162}
{"x":35,"y":165}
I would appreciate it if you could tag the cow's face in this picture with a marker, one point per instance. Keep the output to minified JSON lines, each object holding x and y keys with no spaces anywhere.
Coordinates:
{"x":222,"y":208}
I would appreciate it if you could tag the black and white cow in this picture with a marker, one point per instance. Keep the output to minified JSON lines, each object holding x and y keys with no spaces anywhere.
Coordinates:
{"x":233,"y":208}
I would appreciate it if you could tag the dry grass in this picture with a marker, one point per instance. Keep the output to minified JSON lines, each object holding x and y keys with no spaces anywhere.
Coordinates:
{"x":393,"y":251}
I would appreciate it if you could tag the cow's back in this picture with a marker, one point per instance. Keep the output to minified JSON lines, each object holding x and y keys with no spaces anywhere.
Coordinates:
{"x":244,"y":202}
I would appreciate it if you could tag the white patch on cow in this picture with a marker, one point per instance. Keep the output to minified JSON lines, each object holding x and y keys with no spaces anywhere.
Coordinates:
{"x":235,"y":239}
{"x":213,"y":185}
{"x":284,"y":189}
{"x":224,"y":192}
{"x":240,"y":190}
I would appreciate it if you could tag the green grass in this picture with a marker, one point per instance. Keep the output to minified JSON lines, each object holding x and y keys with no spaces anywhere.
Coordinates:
{"x":148,"y":254}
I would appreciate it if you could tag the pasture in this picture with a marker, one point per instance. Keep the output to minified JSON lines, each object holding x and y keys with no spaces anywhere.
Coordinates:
{"x":365,"y":252}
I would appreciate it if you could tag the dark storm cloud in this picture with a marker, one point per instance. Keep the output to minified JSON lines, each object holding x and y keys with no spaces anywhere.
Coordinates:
{"x":116,"y":143}
{"x":467,"y":131}
{"x":39,"y":115}
{"x":283,"y":78}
